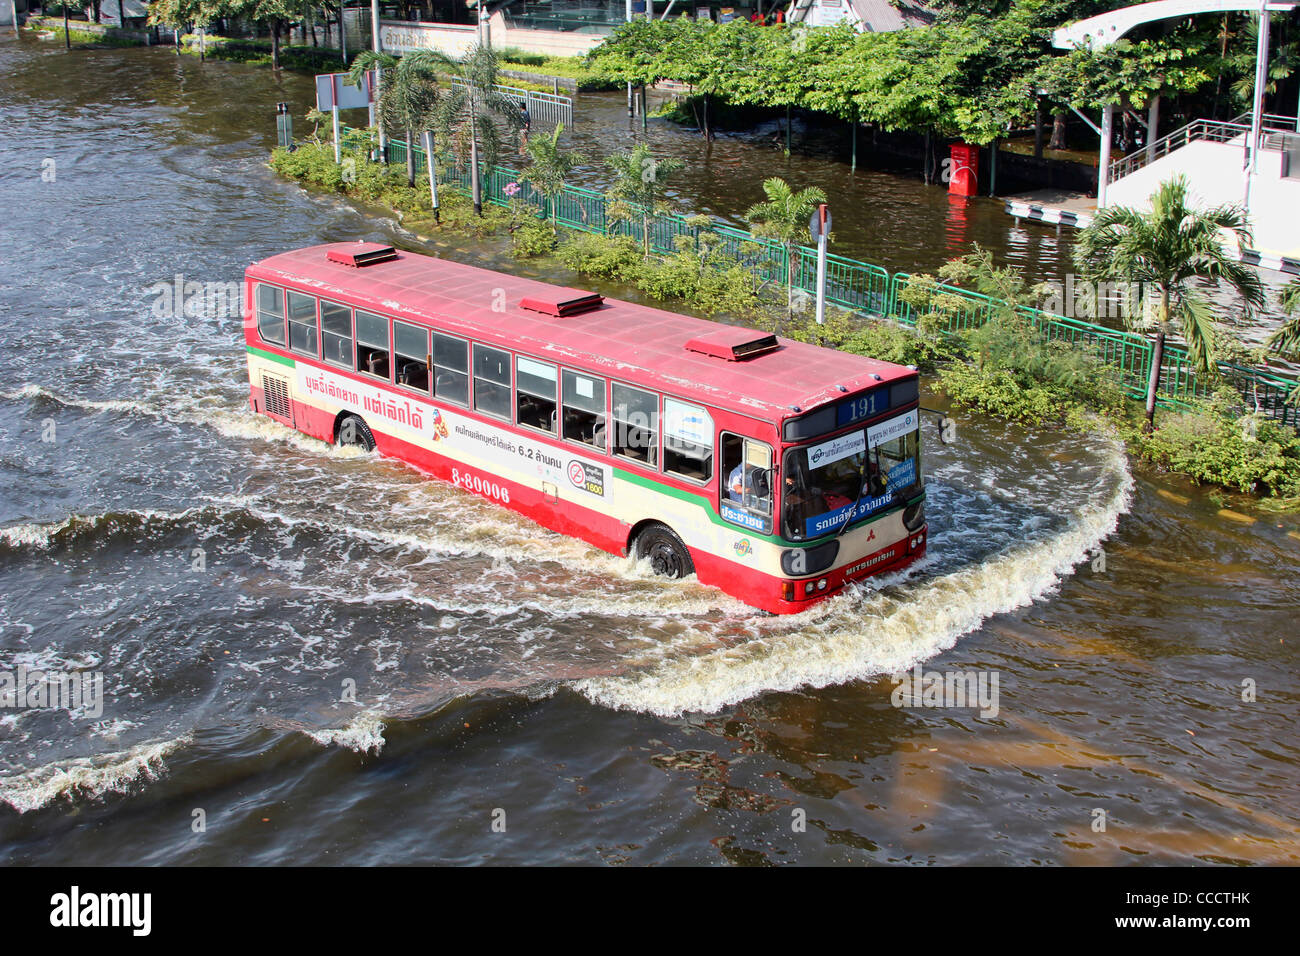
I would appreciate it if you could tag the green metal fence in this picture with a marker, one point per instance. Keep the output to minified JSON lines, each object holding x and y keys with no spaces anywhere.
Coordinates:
{"x":870,"y":290}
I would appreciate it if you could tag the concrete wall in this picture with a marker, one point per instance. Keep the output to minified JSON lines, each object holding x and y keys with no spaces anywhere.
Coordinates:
{"x":454,"y":40}
{"x":1214,"y":172}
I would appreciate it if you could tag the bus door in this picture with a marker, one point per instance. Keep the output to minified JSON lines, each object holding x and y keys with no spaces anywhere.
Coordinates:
{"x":747,"y":484}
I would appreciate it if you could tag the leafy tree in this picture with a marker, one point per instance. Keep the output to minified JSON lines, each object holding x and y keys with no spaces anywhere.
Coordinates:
{"x":551,"y":167}
{"x":474,"y":116}
{"x":640,"y":182}
{"x":784,"y":217}
{"x":1167,"y":250}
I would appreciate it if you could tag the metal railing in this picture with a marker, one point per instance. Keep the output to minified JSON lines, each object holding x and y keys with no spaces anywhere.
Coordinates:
{"x":1214,"y":131}
{"x":544,"y":109}
{"x":871,"y":291}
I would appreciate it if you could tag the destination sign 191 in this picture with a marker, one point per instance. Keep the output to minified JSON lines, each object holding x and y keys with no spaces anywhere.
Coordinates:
{"x":864,"y":406}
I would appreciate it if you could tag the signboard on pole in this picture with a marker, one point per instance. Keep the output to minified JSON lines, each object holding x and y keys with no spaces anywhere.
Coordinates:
{"x":335,"y":89}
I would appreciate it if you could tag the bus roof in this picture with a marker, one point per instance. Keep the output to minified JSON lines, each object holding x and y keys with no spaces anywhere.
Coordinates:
{"x":634,"y":343}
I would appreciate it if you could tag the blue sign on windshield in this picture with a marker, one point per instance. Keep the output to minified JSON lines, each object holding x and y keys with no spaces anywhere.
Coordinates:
{"x":900,"y":476}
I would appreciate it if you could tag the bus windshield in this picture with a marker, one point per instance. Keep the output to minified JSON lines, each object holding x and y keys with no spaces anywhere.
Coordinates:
{"x":823,"y":479}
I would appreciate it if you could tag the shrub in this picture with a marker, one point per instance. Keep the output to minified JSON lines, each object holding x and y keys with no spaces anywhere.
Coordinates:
{"x":605,"y":257}
{"x":1249,"y":454}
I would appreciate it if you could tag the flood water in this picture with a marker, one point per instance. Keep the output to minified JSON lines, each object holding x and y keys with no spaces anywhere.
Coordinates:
{"x":231,"y":578}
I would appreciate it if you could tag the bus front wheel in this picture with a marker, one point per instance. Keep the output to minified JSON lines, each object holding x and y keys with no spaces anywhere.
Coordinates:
{"x":668,"y":555}
{"x":355,"y":433}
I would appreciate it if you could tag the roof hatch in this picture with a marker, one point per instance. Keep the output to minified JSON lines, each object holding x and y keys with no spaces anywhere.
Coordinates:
{"x":562,"y":302}
{"x":362,"y":254}
{"x":733,"y":343}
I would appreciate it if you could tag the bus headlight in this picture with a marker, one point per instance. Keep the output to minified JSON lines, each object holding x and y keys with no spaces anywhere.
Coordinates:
{"x":914,"y":516}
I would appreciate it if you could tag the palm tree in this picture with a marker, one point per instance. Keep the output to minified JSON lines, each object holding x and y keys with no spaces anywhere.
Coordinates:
{"x":474,"y":114}
{"x":550,"y":168}
{"x":1166,"y":250}
{"x":784,"y":217}
{"x":641,"y":181}
{"x":408,"y":94}
{"x":1286,"y":340}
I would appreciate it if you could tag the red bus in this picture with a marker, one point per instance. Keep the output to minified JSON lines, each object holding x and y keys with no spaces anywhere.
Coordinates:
{"x":774,"y":470}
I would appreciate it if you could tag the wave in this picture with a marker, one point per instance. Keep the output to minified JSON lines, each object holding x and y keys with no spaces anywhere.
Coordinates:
{"x":852,"y":637}
{"x":87,"y":777}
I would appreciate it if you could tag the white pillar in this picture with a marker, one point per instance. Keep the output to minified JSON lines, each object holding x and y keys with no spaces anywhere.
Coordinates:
{"x":1103,"y":161}
{"x":1257,"y":103}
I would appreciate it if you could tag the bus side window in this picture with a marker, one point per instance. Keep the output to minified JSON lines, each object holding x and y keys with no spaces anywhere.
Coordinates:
{"x":270,"y":314}
{"x":492,"y":381}
{"x":336,"y":332}
{"x":584,"y":409}
{"x":450,"y":369}
{"x":411,"y":346}
{"x":302,"y":324}
{"x":636,"y":424}
{"x":372,"y":344}
{"x":747,"y":474}
{"x":535,"y":389}
{"x":688,"y":440}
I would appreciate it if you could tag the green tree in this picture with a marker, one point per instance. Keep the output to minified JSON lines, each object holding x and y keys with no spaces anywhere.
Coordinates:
{"x":784,"y":217}
{"x":408,"y":94}
{"x":640,"y":187}
{"x":1168,"y":250}
{"x":474,"y":116}
{"x":550,"y":168}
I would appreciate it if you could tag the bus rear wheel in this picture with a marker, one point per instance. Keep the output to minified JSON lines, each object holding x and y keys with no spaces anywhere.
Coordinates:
{"x":355,"y":433}
{"x":668,"y":555}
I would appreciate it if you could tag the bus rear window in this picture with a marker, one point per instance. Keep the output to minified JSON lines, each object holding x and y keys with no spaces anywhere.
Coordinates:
{"x":270,"y":314}
{"x":372,"y":344}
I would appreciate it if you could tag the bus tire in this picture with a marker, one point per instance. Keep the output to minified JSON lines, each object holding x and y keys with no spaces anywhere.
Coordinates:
{"x":353,"y":432}
{"x":668,"y":555}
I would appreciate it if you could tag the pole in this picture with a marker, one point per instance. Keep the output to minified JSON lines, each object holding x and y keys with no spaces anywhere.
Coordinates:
{"x":67,"y":38}
{"x":993,"y":168}
{"x":343,"y":33}
{"x":433,"y":175}
{"x":823,"y":235}
{"x":1103,"y":161}
{"x":334,"y":109}
{"x":13,"y":8}
{"x":1153,"y":127}
{"x":1257,"y":104}
{"x":628,"y":19}
{"x":379,"y":48}
{"x":854,"y":166}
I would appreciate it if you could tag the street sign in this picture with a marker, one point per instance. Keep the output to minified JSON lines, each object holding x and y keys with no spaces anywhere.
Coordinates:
{"x":332,"y":88}
{"x":820,"y":223}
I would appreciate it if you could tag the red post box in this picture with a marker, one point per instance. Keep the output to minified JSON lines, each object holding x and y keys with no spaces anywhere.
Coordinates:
{"x":964,"y":169}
